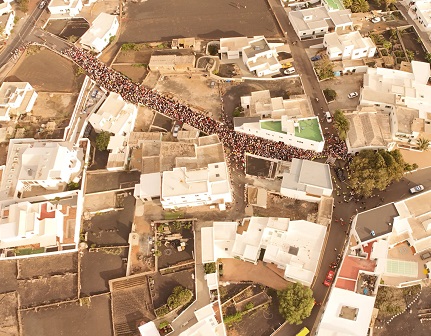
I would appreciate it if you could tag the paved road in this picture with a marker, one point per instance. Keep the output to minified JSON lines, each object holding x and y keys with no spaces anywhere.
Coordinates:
{"x":22,"y":34}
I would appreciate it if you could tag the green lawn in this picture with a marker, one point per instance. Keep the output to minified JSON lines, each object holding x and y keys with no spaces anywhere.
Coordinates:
{"x":27,"y":251}
{"x":309,"y":129}
{"x":274,"y":126}
{"x":335,"y":4}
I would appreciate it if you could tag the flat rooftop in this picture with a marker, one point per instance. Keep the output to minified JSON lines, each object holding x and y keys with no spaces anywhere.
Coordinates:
{"x":309,"y":129}
{"x":378,"y":220}
{"x":272,"y":125}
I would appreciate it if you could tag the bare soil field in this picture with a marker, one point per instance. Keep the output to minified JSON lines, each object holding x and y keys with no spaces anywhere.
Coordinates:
{"x":8,"y":274}
{"x":46,"y":71}
{"x":111,"y":180}
{"x":56,"y":288}
{"x":70,"y":319}
{"x":8,"y":313}
{"x":97,"y":268}
{"x":47,"y":265}
{"x":136,"y":72}
{"x":144,"y":119}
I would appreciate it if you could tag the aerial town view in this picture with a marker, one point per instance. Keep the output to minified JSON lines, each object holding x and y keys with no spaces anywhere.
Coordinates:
{"x":215,"y":167}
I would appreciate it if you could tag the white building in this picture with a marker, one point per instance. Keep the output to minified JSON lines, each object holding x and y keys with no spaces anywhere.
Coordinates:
{"x":303,"y":133}
{"x":287,"y":244}
{"x":209,"y":323}
{"x":350,"y":46}
{"x":182,"y":187}
{"x":102,"y":29}
{"x":5,"y":7}
{"x":260,"y":103}
{"x":369,"y":129}
{"x":43,"y":164}
{"x":307,"y":180}
{"x":399,"y":93}
{"x":114,"y":116}
{"x":149,"y":187}
{"x":16,"y":98}
{"x":65,"y":7}
{"x":7,"y":22}
{"x":421,"y":10}
{"x":260,"y":57}
{"x":318,"y":21}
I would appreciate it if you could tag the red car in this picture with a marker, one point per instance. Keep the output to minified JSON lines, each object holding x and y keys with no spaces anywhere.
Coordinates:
{"x":329,"y":278}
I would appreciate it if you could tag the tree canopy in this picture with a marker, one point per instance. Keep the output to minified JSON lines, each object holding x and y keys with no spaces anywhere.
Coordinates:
{"x":342,"y":124}
{"x":102,"y":140}
{"x":179,"y":297}
{"x":371,"y":170}
{"x":296,"y":303}
{"x":324,"y":68}
{"x":423,"y":144}
{"x":210,"y":268}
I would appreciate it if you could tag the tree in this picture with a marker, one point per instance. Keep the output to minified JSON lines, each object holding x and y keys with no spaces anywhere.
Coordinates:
{"x":296,"y":303}
{"x":102,"y":140}
{"x":387,"y":44}
{"x":347,"y":3}
{"x":376,"y":170}
{"x":179,"y":297}
{"x":360,"y":6}
{"x":210,"y":268}
{"x":390,"y":301}
{"x":324,"y":68}
{"x":213,"y":49}
{"x":423,"y":144}
{"x":330,"y":94}
{"x":341,"y":124}
{"x":428,"y":57}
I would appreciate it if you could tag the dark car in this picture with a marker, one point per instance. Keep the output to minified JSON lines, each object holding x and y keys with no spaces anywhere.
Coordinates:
{"x":316,"y":58}
{"x":426,"y":255}
{"x":329,"y":278}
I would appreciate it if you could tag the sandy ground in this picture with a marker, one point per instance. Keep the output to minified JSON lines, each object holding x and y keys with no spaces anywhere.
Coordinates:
{"x":422,"y":159}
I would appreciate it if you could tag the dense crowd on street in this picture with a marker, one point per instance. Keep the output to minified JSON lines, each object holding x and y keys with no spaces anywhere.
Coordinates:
{"x":237,"y":143}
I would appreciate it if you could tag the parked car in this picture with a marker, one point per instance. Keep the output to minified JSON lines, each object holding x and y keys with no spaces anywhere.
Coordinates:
{"x":417,"y":189}
{"x":329,"y":278}
{"x":376,"y":19}
{"x":426,"y":255}
{"x":316,"y":58}
{"x":352,"y":95}
{"x":42,"y":4}
{"x":94,"y":93}
{"x":176,"y":130}
{"x":288,"y":71}
{"x":328,"y":116}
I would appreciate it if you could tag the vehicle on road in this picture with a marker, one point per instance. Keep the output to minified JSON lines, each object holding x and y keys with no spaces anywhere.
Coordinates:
{"x":42,"y":4}
{"x":286,"y":65}
{"x":426,"y":255}
{"x":329,"y":278}
{"x":352,"y":95}
{"x":304,"y":332}
{"x":316,"y":58}
{"x":417,"y":189}
{"x":176,"y":130}
{"x":288,"y":71}
{"x":328,"y":116}
{"x":376,"y":19}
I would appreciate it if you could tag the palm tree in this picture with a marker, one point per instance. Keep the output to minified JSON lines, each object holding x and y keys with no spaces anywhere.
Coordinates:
{"x":423,"y":144}
{"x":360,"y":6}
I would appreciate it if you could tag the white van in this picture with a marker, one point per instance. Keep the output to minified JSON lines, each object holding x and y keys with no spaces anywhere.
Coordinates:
{"x":328,"y":116}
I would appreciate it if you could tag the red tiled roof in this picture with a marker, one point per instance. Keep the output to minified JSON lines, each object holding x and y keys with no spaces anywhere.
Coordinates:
{"x":44,"y":213}
{"x":352,"y":265}
{"x":345,"y":284}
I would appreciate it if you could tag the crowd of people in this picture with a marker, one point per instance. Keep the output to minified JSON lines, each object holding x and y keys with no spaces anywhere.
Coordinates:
{"x":237,"y":143}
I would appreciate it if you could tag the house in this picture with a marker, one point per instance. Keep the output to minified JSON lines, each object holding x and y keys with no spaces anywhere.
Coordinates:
{"x":369,"y":129}
{"x":260,"y":57}
{"x":5,"y":7}
{"x":303,"y":133}
{"x":171,"y":62}
{"x":400,"y":94}
{"x":43,"y":225}
{"x":149,"y":329}
{"x":16,"y":98}
{"x":47,"y":165}
{"x":349,"y":46}
{"x":149,"y":187}
{"x":260,"y":103}
{"x":114,"y":116}
{"x":307,"y":180}
{"x":318,"y":21}
{"x":284,"y":243}
{"x":186,"y":43}
{"x":209,"y":322}
{"x":101,"y":30}
{"x":65,"y":7}
{"x":420,"y":10}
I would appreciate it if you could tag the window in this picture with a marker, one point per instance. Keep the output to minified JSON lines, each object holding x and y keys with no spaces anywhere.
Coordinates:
{"x":216,"y":166}
{"x":217,"y":175}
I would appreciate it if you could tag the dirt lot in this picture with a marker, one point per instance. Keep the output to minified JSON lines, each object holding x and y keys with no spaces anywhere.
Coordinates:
{"x":70,"y":319}
{"x":47,"y":290}
{"x":8,"y":274}
{"x":410,"y":40}
{"x":103,"y":181}
{"x":171,"y":256}
{"x":162,"y":21}
{"x":144,"y":119}
{"x":46,"y":71}
{"x":136,"y":72}
{"x":47,"y":265}
{"x":8,"y":321}
{"x":66,"y":28}
{"x":196,"y":91}
{"x":162,"y":123}
{"x":97,"y":268}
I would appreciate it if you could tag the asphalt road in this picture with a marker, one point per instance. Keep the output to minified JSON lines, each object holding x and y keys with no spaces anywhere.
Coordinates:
{"x":22,"y":34}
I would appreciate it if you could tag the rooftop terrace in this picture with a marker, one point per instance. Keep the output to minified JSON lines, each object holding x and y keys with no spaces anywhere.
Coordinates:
{"x":308,"y":128}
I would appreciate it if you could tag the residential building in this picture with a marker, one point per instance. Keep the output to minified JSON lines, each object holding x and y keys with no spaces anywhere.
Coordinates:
{"x":65,"y":7}
{"x":231,"y":47}
{"x":5,"y":7}
{"x":16,"y":98}
{"x":369,"y":129}
{"x":149,"y":329}
{"x":186,"y":43}
{"x":45,"y":165}
{"x":260,"y":57}
{"x":101,"y":30}
{"x":318,"y":21}
{"x":349,"y":46}
{"x":209,"y":322}
{"x":400,"y":94}
{"x":171,"y":62}
{"x":287,"y":244}
{"x":421,"y":10}
{"x":260,"y":103}
{"x":149,"y":187}
{"x":7,"y":22}
{"x":307,"y":180}
{"x":303,"y":133}
{"x":114,"y":116}
{"x":43,"y":226}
